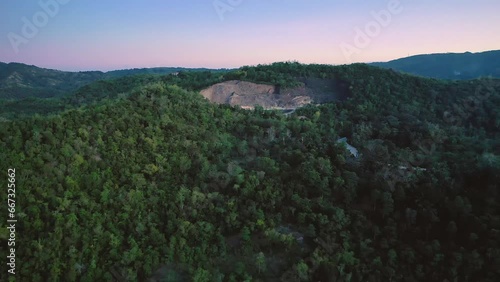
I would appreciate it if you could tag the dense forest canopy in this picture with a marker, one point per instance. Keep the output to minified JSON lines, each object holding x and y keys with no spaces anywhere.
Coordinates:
{"x":141,"y":178}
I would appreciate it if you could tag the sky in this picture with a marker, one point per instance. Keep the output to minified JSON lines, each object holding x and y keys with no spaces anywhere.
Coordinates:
{"x":81,"y":35}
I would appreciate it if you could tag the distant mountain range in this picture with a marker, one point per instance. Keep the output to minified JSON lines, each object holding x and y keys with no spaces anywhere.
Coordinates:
{"x":457,"y":66}
{"x":18,"y":81}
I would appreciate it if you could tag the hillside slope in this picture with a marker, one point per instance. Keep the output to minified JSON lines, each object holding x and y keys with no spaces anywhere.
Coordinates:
{"x":449,"y":65}
{"x":19,"y":81}
{"x":163,"y":183}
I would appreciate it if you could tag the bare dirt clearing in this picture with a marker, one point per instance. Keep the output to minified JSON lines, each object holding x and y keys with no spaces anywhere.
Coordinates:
{"x":248,"y":94}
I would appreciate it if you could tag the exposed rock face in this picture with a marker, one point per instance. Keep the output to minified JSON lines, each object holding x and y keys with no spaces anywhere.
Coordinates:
{"x":234,"y":91}
{"x":248,"y":94}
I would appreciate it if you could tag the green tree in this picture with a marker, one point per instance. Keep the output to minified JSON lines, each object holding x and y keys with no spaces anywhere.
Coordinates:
{"x":302,"y":271}
{"x":260,"y":262}
{"x":202,"y":275}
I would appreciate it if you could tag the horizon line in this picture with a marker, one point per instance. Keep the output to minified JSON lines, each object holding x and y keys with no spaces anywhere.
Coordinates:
{"x":250,"y":65}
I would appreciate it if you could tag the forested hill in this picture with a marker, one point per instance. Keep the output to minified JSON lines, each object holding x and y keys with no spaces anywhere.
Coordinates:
{"x":460,"y":66}
{"x":18,"y":81}
{"x":157,"y":182}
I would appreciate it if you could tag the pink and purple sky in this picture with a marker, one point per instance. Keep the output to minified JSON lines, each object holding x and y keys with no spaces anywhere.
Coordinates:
{"x":78,"y":35}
